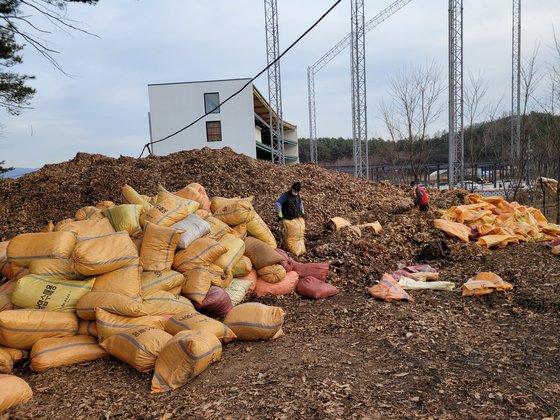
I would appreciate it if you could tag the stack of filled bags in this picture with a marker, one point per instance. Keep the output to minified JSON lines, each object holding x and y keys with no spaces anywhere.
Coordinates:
{"x":494,"y":222}
{"x":156,"y":282}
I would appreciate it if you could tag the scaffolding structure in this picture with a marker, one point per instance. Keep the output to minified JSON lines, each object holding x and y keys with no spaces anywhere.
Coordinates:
{"x":274,"y":85}
{"x":516,"y":81}
{"x":456,"y":169}
{"x":327,"y":57}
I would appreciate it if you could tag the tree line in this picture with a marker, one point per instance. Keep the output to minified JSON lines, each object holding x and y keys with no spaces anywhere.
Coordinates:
{"x":488,"y":141}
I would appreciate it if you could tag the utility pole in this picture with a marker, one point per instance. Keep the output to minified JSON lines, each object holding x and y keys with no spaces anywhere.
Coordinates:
{"x":274,"y":85}
{"x":516,"y":82}
{"x":455,"y":172}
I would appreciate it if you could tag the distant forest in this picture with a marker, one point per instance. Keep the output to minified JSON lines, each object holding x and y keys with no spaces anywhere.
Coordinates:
{"x":488,"y":141}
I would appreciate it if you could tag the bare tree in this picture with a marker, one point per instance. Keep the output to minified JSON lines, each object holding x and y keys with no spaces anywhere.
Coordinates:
{"x":522,"y":165}
{"x":414,"y":106}
{"x":474,"y":91}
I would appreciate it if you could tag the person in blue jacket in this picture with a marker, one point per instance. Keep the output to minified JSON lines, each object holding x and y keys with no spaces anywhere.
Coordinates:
{"x":289,"y":205}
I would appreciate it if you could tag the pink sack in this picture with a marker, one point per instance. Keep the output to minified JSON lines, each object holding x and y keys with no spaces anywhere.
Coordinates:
{"x":217,"y":303}
{"x":288,"y":261}
{"x":424,"y":268}
{"x":313,"y":288}
{"x":317,"y":270}
{"x":285,"y":286}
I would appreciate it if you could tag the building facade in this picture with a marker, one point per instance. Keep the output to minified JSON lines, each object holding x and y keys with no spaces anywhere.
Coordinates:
{"x":241,"y":122}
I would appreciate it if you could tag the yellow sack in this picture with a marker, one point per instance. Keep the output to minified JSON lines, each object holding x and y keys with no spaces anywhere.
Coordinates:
{"x":201,"y":252}
{"x":240,"y":231}
{"x":190,"y":193}
{"x":104,"y":204}
{"x":27,"y":247}
{"x":6,"y":362}
{"x":233,"y":212}
{"x":165,"y":303}
{"x":87,"y":229}
{"x":125,"y":280}
{"x":195,"y":321}
{"x":254,"y":321}
{"x":243,"y":267}
{"x":217,"y":227}
{"x":137,"y":240}
{"x":185,"y":356}
{"x":337,"y":223}
{"x":6,"y":295}
{"x":483,"y":283}
{"x":375,"y":226}
{"x":16,"y":355}
{"x":205,"y":205}
{"x":294,"y":236}
{"x":458,"y":230}
{"x":130,"y":196}
{"x":199,"y":279}
{"x":258,"y":228}
{"x":125,"y":217}
{"x":116,"y":303}
{"x":55,"y":269}
{"x":21,"y":328}
{"x":109,"y":324}
{"x":35,"y":292}
{"x":9,"y":357}
{"x":158,"y":247}
{"x":154,"y":281}
{"x":88,"y":213}
{"x":176,"y":290}
{"x":499,"y":241}
{"x":235,"y":249}
{"x":139,"y":347}
{"x":87,"y":328}
{"x":14,"y":391}
{"x":64,"y":351}
{"x":274,"y":273}
{"x":104,"y":254}
{"x":170,"y":209}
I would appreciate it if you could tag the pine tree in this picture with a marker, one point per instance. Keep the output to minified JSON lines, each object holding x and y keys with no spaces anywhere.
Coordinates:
{"x":15,"y":94}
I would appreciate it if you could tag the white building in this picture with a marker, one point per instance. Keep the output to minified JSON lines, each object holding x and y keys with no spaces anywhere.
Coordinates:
{"x":241,"y":123}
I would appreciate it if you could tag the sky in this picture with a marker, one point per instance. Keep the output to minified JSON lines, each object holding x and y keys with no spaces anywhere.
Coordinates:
{"x":101,"y":104}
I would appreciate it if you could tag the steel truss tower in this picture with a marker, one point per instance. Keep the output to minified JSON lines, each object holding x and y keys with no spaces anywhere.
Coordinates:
{"x":325,"y":59}
{"x":455,"y":172}
{"x":359,"y":102}
{"x":312,"y":121}
{"x":274,"y":86}
{"x":516,"y":81}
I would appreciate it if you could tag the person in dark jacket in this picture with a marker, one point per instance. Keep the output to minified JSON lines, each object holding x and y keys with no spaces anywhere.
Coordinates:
{"x":420,"y":196}
{"x":289,"y":205}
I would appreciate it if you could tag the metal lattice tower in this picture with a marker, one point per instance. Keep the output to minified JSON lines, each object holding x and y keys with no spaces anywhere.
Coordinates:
{"x":274,"y":86}
{"x":516,"y":81}
{"x":456,"y":168}
{"x":359,"y":102}
{"x":325,"y":59}
{"x":312,"y":123}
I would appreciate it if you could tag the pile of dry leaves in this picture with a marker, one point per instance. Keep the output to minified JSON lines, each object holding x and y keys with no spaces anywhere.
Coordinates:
{"x":349,"y":356}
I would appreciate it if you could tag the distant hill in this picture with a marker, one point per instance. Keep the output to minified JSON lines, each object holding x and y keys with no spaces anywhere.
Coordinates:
{"x":17,"y":172}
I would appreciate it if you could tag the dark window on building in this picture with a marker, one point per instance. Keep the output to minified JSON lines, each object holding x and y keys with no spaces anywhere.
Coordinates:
{"x":213,"y":131}
{"x":211,"y":101}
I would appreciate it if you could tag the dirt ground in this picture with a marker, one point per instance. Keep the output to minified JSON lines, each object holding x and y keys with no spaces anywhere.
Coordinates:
{"x":349,"y":356}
